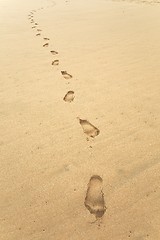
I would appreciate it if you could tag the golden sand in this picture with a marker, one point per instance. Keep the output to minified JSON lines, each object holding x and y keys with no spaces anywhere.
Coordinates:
{"x":95,"y":111}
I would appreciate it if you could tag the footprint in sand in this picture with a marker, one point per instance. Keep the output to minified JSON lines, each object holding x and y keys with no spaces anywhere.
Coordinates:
{"x":46,"y":39}
{"x":55,"y":62}
{"x":69,"y":97}
{"x":46,"y":45}
{"x":66,"y":75}
{"x":54,"y":52}
{"x":39,"y":30}
{"x":38,"y":34}
{"x":94,"y":200}
{"x":88,"y":128}
{"x":36,"y":24}
{"x":34,"y":27}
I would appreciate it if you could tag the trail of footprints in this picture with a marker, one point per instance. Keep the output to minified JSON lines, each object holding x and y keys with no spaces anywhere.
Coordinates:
{"x":94,"y":200}
{"x":89,"y":129}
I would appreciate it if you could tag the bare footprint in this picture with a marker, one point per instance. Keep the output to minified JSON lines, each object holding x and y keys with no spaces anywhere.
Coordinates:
{"x":88,"y":128}
{"x":46,"y":45}
{"x":38,"y":34}
{"x":66,"y":75}
{"x":54,"y":52}
{"x":46,"y":39}
{"x":69,"y":97}
{"x":55,"y":62}
{"x":94,"y":200}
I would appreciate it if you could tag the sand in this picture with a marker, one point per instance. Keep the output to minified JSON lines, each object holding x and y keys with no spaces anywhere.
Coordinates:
{"x":105,"y":62}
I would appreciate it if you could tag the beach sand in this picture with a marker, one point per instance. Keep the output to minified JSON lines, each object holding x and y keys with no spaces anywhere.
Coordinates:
{"x":84,"y":101}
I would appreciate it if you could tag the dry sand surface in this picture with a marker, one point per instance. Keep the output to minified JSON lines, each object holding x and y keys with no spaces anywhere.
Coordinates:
{"x":79,"y":97}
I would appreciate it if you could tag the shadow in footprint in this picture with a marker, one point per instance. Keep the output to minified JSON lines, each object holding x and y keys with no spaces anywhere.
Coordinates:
{"x":46,"y":39}
{"x":88,"y":128}
{"x":69,"y":97}
{"x":34,"y":27}
{"x":94,"y":200}
{"x":66,"y":75}
{"x":46,"y":45}
{"x":55,"y":62}
{"x":38,"y":34}
{"x":54,"y":52}
{"x":39,"y":30}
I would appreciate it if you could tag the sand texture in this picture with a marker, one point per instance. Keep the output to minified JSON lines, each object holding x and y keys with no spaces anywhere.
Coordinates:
{"x":79,"y":120}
